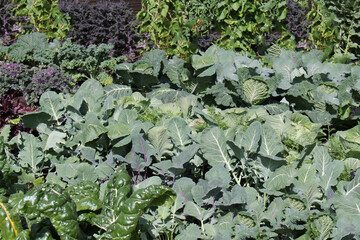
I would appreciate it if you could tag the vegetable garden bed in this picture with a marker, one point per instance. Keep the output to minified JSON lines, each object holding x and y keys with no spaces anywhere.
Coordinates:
{"x":114,"y":140}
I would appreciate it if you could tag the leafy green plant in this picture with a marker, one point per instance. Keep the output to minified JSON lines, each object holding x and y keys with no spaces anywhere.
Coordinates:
{"x":54,"y":212}
{"x":45,"y":16}
{"x":347,"y":21}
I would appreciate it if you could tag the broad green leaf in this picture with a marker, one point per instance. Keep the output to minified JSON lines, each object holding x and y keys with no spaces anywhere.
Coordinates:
{"x":118,"y":130}
{"x":183,"y":187}
{"x":324,"y":225}
{"x":321,"y":159}
{"x":155,"y":180}
{"x":218,"y":175}
{"x":199,"y":62}
{"x":191,"y":209}
{"x":307,"y":174}
{"x":51,"y":104}
{"x":251,"y":138}
{"x":281,"y":178}
{"x":54,"y":138}
{"x":214,"y":147}
{"x":10,"y":224}
{"x":104,"y":171}
{"x":348,"y":208}
{"x":179,"y":131}
{"x":115,"y":92}
{"x":255,"y":91}
{"x":332,"y":172}
{"x":270,"y":141}
{"x":34,"y":119}
{"x":159,"y":137}
{"x":352,"y":188}
{"x":91,"y":129}
{"x":236,"y":196}
{"x":86,"y":172}
{"x":92,"y":98}
{"x":191,"y":232}
{"x":31,"y":155}
{"x":125,"y":116}
{"x":186,"y":155}
{"x":223,"y":96}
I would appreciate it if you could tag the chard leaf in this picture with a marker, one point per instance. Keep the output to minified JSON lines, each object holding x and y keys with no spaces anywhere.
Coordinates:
{"x":85,"y":195}
{"x":270,"y":141}
{"x":51,"y":104}
{"x":214,"y":147}
{"x":251,"y":138}
{"x":281,"y":178}
{"x":10,"y":224}
{"x":91,"y":129}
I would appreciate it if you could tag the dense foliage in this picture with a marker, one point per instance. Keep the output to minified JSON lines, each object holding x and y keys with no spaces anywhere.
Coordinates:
{"x":11,"y":26}
{"x":251,"y":152}
{"x":105,"y":22}
{"x":180,"y":27}
{"x":45,"y":16}
{"x":348,"y":20}
{"x":209,"y":144}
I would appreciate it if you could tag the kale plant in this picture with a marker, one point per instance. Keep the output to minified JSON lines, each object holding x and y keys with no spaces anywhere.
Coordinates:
{"x":49,"y":79}
{"x":297,"y":22}
{"x":12,"y":106}
{"x":14,"y":76}
{"x":104,"y":22}
{"x":207,"y":40}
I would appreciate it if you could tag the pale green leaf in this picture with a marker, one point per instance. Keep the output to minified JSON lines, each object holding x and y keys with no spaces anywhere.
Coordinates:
{"x":31,"y":154}
{"x":91,"y":129}
{"x":50,"y":103}
{"x":270,"y":141}
{"x":255,"y":91}
{"x":281,"y":178}
{"x":179,"y":131}
{"x":251,"y":138}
